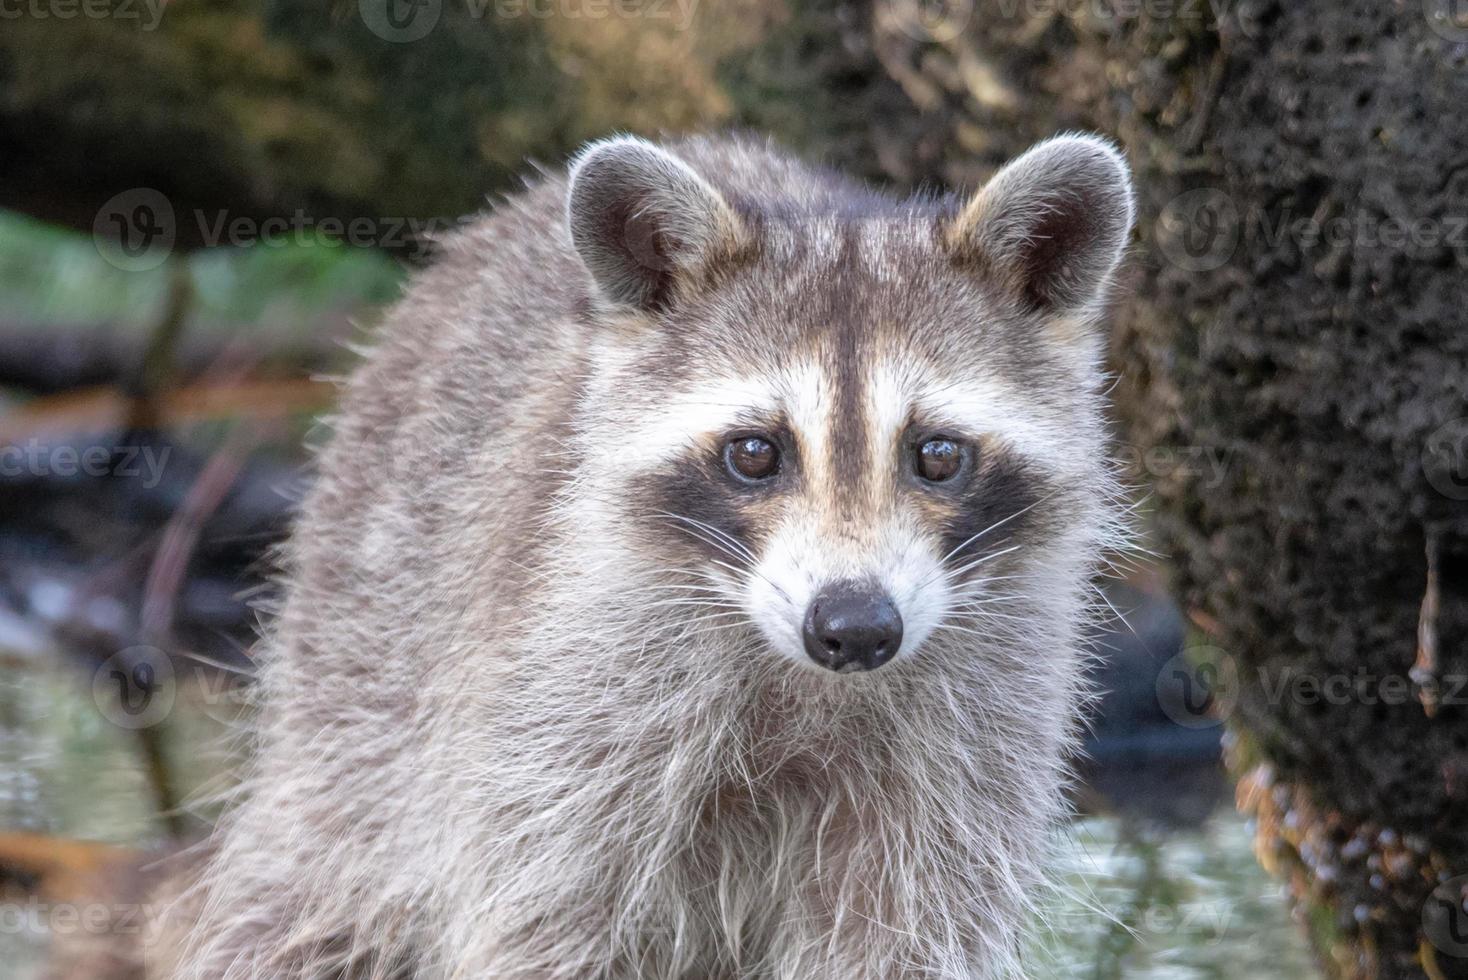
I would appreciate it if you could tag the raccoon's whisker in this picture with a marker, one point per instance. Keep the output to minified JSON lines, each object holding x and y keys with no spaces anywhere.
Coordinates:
{"x":956,"y":573}
{"x":976,"y":602}
{"x":677,"y":587}
{"x":720,"y":603}
{"x":982,"y":634}
{"x":730,"y":543}
{"x":679,"y":630}
{"x":715,"y":628}
{"x":704,"y":619}
{"x":1107,"y":599}
{"x":978,"y":586}
{"x":725,"y":565}
{"x":997,"y":616}
{"x":725,"y":536}
{"x":706,"y":603}
{"x":761,"y":575}
{"x":713,"y":594}
{"x":996,"y":524}
{"x":986,"y":615}
{"x":652,"y":600}
{"x":716,"y":544}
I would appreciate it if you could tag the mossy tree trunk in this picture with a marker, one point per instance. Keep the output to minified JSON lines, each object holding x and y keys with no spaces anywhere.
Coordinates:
{"x":1305,"y":321}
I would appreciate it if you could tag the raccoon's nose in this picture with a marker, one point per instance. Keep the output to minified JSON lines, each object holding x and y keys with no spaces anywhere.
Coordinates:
{"x":852,"y":626}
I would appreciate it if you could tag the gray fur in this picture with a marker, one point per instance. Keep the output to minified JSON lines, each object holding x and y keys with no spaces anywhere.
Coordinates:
{"x":491,"y":745}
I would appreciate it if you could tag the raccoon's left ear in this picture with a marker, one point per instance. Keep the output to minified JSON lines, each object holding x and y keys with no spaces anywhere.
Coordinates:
{"x":640,"y":218}
{"x":1052,"y":225}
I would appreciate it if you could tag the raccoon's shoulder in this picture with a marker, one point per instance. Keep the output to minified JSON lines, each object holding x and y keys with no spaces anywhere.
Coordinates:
{"x":498,"y":298}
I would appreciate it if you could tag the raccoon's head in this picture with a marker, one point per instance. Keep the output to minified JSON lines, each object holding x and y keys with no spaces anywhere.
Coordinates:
{"x":845,"y":424}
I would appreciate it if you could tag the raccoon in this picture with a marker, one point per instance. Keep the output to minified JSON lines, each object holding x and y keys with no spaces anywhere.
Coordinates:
{"x":693,"y":588}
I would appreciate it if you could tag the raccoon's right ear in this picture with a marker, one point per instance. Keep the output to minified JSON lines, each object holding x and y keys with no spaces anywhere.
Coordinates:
{"x":639,"y":217}
{"x":1052,"y":225}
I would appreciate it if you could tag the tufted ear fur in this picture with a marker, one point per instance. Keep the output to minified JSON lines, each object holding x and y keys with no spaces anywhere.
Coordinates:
{"x":640,"y":217}
{"x":1052,"y":225}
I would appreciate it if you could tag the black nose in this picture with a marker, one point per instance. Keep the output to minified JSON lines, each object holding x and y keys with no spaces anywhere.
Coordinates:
{"x":852,"y":626}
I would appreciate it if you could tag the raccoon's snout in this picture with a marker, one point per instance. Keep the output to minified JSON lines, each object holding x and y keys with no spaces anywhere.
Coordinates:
{"x":852,"y":626}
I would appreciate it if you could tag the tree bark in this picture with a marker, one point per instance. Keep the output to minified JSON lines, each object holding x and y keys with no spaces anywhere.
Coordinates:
{"x":1305,"y":322}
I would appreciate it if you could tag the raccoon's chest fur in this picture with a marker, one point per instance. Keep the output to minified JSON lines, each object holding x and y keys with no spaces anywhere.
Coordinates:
{"x":783,"y":838}
{"x":778,"y":878}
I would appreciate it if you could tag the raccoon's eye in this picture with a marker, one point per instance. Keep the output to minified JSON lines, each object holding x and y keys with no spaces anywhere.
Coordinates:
{"x":938,"y":460}
{"x":752,"y":458}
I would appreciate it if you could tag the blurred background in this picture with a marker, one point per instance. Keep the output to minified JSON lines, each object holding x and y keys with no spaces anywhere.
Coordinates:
{"x":205,"y":205}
